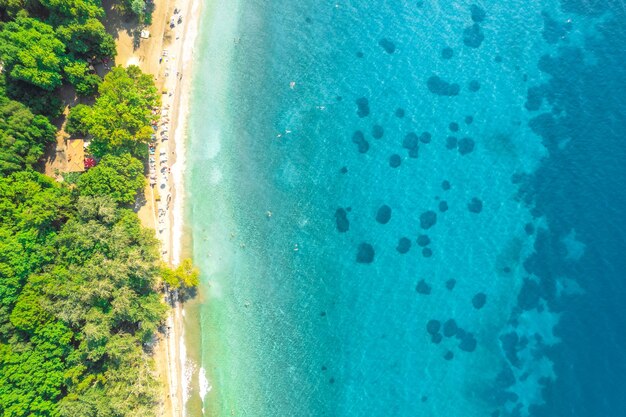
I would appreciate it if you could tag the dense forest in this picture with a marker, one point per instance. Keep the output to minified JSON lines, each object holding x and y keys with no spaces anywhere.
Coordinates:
{"x":80,"y":278}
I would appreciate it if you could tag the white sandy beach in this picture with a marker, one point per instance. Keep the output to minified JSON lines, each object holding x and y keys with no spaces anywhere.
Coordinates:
{"x":179,"y":84}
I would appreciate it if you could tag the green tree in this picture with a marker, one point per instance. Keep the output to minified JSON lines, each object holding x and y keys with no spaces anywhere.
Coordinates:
{"x":78,"y":75}
{"x":80,"y":324}
{"x":87,"y":39}
{"x":38,"y":101}
{"x":32,"y":209}
{"x":78,"y":120}
{"x":23,"y":136}
{"x":119,"y":177}
{"x":138,"y":7}
{"x":11,"y":8}
{"x":184,"y":276}
{"x":62,"y":11}
{"x":120,"y":120}
{"x":31,"y":52}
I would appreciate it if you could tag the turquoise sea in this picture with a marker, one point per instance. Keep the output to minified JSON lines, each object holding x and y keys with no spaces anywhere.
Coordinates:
{"x":409,"y":208}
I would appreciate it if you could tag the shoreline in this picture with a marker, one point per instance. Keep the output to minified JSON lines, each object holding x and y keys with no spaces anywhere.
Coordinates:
{"x":178,"y":369}
{"x":172,"y":72}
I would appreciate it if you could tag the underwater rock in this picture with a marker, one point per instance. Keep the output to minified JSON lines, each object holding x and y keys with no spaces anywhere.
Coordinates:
{"x":399,"y":112}
{"x":473,"y":36}
{"x":387,"y":45}
{"x":478,"y":14}
{"x":362,"y":144}
{"x":534,"y":97}
{"x":395,"y":160}
{"x":363,"y":106}
{"x":469,"y":119}
{"x":365,"y":253}
{"x":427,"y":252}
{"x":423,"y":240}
{"x":411,"y":142}
{"x":475,"y":205}
{"x":428,"y":219}
{"x":449,"y":355}
{"x":505,"y":377}
{"x":445,"y":185}
{"x":508,"y":343}
{"x":433,"y":326}
{"x":441,"y":87}
{"x":529,"y":296}
{"x":553,"y":31}
{"x":450,"y":328}
{"x":377,"y":131}
{"x":453,"y":126}
{"x":341,"y":218}
{"x":468,"y":343}
{"x":436,"y":338}
{"x":425,"y":137}
{"x":443,"y":206}
{"x":383,"y":215}
{"x":479,"y":300}
{"x":447,"y":53}
{"x":404,"y":245}
{"x":423,"y":288}
{"x":466,"y":145}
{"x":474,"y":86}
{"x":450,"y":284}
{"x":529,"y":228}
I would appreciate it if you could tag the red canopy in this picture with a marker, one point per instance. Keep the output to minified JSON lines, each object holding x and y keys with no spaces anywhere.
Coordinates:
{"x":90,"y":163}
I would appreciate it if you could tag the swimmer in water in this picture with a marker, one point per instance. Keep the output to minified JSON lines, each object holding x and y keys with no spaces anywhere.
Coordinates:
{"x":292,"y":85}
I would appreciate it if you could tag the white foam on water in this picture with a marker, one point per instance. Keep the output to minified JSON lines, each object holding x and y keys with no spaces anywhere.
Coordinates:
{"x":204,"y":386}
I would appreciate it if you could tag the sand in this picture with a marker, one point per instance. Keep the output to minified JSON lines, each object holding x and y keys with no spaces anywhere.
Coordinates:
{"x":162,"y":209}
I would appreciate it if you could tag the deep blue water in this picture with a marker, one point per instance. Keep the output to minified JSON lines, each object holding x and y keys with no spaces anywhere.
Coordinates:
{"x":446,"y":186}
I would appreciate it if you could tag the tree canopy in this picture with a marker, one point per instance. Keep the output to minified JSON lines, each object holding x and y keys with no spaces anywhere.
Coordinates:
{"x":87,"y":39}
{"x":78,"y":75}
{"x":184,"y":276}
{"x":32,"y":208}
{"x":78,"y":303}
{"x":32,"y":53}
{"x":119,"y":177}
{"x":66,"y":10}
{"x":22,"y":136}
{"x":120,"y":120}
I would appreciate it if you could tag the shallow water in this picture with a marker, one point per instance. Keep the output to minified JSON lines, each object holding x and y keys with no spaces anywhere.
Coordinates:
{"x":409,"y":208}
